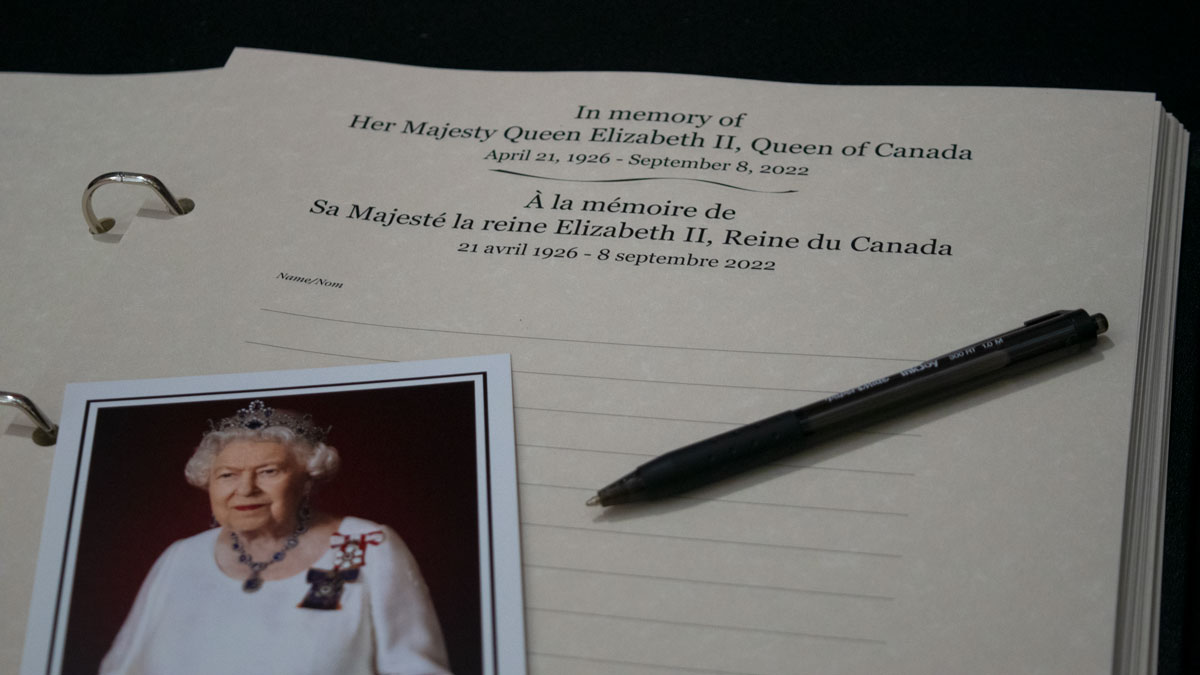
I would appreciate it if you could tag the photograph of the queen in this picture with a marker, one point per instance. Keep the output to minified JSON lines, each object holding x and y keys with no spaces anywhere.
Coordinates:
{"x":353,"y":520}
{"x":278,"y":584}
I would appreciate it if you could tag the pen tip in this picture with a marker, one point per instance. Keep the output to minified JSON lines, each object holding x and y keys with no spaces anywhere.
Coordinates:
{"x":594,"y":501}
{"x":1101,"y":323}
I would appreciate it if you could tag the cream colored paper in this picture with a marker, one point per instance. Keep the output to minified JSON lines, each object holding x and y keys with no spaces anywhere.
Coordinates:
{"x":57,"y":133}
{"x":981,"y":536}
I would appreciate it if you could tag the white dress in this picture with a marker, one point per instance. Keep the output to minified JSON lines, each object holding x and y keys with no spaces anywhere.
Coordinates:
{"x":191,"y":618}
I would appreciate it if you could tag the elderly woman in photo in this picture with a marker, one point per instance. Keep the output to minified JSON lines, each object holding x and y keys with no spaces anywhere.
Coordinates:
{"x":278,"y":587}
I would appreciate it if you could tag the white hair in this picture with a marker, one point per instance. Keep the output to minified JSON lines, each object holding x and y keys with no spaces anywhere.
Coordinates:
{"x":320,"y":461}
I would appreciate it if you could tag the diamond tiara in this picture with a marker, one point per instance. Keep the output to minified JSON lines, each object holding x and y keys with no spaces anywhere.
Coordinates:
{"x":259,"y":415}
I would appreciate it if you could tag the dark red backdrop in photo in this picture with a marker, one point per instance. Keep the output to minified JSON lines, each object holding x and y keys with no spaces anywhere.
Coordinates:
{"x":408,"y":460}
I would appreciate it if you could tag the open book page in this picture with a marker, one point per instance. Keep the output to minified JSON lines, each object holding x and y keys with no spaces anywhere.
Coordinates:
{"x":57,"y":133}
{"x":666,"y":257}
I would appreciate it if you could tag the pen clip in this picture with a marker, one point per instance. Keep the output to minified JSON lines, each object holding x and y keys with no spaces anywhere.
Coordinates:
{"x":1047,"y":317}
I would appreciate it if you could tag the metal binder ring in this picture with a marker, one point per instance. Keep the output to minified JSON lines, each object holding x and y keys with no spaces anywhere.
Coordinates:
{"x":97,"y":226}
{"x":46,"y":432}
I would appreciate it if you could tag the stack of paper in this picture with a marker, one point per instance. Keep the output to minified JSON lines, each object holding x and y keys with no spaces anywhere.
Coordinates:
{"x":666,"y":257}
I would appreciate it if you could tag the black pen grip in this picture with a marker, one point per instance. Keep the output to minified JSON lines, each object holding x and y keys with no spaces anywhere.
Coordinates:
{"x":711,"y":459}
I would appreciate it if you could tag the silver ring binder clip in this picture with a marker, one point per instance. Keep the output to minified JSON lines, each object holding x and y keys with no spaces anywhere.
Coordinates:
{"x":46,"y":432}
{"x":98,"y":226}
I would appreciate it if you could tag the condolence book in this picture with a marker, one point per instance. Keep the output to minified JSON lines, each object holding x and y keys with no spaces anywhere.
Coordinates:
{"x":666,"y":257}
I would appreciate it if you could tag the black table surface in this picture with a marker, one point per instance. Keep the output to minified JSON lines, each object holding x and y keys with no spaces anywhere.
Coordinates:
{"x":1046,"y":44}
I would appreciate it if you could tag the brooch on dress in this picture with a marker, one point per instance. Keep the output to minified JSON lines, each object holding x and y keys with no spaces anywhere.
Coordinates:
{"x":352,"y":549}
{"x":325,"y":591}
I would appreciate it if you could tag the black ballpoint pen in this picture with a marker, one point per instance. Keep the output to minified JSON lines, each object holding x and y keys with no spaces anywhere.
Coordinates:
{"x":1039,"y":340}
